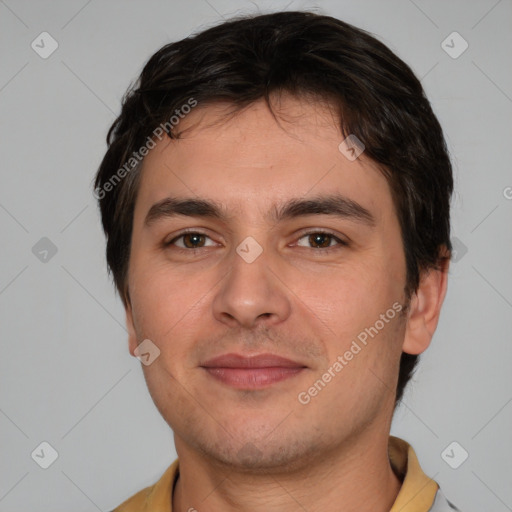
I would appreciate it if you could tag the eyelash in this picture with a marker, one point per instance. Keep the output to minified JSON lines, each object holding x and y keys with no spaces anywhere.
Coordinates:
{"x":329,"y":249}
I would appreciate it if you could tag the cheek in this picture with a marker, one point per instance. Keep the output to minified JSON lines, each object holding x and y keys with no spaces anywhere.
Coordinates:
{"x":347,"y":297}
{"x":166,"y":305}
{"x":347,"y":304}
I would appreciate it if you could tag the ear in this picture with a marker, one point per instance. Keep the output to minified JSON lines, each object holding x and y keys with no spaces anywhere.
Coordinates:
{"x":132,"y":336}
{"x":425,"y":308}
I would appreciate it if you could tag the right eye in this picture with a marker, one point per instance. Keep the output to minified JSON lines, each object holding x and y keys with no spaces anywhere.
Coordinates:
{"x":190,"y":240}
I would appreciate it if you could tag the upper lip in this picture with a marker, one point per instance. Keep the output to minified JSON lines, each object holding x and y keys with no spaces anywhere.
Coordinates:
{"x":233,"y":360}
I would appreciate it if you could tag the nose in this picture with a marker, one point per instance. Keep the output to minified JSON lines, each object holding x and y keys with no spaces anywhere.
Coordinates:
{"x":251,"y":294}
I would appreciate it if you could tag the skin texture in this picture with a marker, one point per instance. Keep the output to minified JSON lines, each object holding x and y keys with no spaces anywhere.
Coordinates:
{"x":261,"y":449}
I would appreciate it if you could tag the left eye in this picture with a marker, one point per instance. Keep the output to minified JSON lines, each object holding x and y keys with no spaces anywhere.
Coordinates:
{"x":320,"y":240}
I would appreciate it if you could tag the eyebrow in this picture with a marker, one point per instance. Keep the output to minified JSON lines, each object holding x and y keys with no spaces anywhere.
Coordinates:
{"x":336,"y":205}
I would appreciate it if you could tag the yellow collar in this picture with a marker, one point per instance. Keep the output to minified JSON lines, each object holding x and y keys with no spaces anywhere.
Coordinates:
{"x":417,"y":493}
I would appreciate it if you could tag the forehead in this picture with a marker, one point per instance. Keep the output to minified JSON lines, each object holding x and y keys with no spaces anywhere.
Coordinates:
{"x":250,"y":160}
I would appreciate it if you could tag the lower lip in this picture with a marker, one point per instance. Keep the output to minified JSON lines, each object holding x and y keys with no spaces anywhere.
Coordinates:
{"x":252,"y":378}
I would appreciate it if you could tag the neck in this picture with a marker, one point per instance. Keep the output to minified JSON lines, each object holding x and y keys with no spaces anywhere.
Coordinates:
{"x":354,"y":477}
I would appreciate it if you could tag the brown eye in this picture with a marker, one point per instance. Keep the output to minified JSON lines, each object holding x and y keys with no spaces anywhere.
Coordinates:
{"x":191,"y":240}
{"x":320,"y":240}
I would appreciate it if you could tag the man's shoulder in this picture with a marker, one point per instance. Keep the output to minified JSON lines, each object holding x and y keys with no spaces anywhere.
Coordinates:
{"x":137,"y":502}
{"x":156,"y":497}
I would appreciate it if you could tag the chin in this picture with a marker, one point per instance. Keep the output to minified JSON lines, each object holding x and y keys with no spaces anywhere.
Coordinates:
{"x":262,"y":455}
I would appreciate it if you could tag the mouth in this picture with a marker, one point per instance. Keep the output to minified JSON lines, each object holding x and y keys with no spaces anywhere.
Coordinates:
{"x":251,"y":372}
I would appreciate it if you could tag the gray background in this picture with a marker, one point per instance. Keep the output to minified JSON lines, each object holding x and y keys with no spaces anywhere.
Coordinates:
{"x":66,"y":375}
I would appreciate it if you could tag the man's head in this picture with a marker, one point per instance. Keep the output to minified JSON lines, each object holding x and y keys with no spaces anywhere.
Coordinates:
{"x":255,"y":111}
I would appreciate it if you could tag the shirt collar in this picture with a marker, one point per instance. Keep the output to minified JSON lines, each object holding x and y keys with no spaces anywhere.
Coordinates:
{"x":418,"y":491}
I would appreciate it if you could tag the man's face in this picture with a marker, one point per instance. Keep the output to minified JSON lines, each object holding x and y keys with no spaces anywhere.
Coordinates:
{"x":212,"y":303}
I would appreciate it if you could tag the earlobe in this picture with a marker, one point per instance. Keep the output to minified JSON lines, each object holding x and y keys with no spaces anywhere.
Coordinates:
{"x":425,"y":308}
{"x":132,"y":336}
